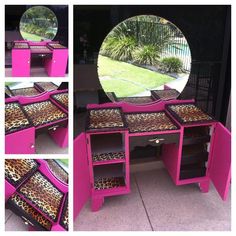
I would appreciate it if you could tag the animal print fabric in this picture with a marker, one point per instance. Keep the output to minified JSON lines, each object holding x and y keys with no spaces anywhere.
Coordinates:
{"x":30,"y":211}
{"x":166,"y":94}
{"x":15,"y":119}
{"x":56,"y":45}
{"x":61,"y":98}
{"x":42,"y":194}
{"x":22,"y":45}
{"x":64,"y":222}
{"x":16,"y":170}
{"x":146,"y":122}
{"x":25,"y":92}
{"x":108,"y":156}
{"x":39,"y":49}
{"x":105,"y":118}
{"x":47,"y":86}
{"x":189,"y":113}
{"x":43,"y":113}
{"x":57,"y":170}
{"x":107,"y":183}
{"x":137,"y":100}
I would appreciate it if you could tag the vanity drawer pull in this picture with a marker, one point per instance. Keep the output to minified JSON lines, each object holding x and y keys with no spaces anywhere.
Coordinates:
{"x":156,"y":140}
{"x":26,"y":221}
{"x":53,"y":127}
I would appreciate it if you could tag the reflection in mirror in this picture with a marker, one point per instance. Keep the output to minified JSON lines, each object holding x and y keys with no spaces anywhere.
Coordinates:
{"x":141,"y":57}
{"x":38,"y":24}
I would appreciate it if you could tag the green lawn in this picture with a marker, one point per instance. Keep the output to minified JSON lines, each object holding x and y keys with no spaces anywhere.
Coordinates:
{"x":64,"y":161}
{"x":125,"y":79}
{"x":31,"y":37}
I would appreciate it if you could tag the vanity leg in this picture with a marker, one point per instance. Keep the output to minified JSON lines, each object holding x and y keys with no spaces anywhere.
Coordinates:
{"x":97,"y":203}
{"x":204,"y":186}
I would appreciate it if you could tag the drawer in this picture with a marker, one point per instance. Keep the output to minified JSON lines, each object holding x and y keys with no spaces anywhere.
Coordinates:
{"x":28,"y":213}
{"x":53,"y":127}
{"x":193,"y":171}
{"x":201,"y":157}
{"x":153,"y":140}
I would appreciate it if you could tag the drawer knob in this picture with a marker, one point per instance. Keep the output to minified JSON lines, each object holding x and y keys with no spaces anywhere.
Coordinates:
{"x":32,"y":146}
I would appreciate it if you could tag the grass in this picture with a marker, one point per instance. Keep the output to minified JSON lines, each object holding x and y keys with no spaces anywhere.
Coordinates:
{"x":64,"y":161}
{"x":125,"y":79}
{"x":31,"y":37}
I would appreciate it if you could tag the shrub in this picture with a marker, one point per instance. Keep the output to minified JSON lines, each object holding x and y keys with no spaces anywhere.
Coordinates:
{"x":120,"y":49}
{"x":172,"y":64}
{"x":147,"y":55}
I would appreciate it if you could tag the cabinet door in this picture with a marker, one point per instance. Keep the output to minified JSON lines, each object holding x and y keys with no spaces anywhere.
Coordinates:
{"x":220,"y":166}
{"x":81,"y":174}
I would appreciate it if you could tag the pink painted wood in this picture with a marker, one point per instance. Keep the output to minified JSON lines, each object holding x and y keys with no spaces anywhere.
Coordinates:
{"x":81,"y":182}
{"x":220,"y":165}
{"x":20,"y":62}
{"x":98,"y":195}
{"x":56,"y":66}
{"x":9,"y":190}
{"x":20,"y":142}
{"x":217,"y":171}
{"x":60,"y":136}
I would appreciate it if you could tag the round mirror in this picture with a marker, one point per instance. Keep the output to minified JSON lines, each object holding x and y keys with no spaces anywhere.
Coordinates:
{"x":38,"y":24}
{"x":143,"y":58}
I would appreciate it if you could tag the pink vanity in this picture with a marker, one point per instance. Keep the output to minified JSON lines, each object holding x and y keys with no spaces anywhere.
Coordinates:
{"x":28,"y":116}
{"x":193,"y":146}
{"x":53,"y":54}
{"x":37,"y":191}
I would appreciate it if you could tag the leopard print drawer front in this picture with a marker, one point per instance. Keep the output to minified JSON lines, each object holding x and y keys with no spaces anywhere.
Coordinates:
{"x":28,"y":210}
{"x":47,"y":86}
{"x":64,"y":222}
{"x":105,"y":118}
{"x":16,"y":170}
{"x":43,"y":195}
{"x":25,"y":92}
{"x":188,"y":113}
{"x":57,"y":170}
{"x":15,"y":119}
{"x":146,"y":122}
{"x":61,"y":98}
{"x":43,"y":112}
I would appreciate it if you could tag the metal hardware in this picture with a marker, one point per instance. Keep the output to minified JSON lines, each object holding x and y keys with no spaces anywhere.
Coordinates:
{"x":32,"y":146}
{"x":26,"y":221}
{"x":156,"y":140}
{"x":53,"y":127}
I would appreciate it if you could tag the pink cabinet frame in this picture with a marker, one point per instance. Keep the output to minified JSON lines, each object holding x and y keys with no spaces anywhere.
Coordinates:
{"x":23,"y":141}
{"x":54,"y":66}
{"x":218,"y":166}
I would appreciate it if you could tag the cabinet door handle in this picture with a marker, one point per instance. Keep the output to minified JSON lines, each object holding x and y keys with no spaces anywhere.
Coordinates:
{"x":156,"y":140}
{"x":32,"y":145}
